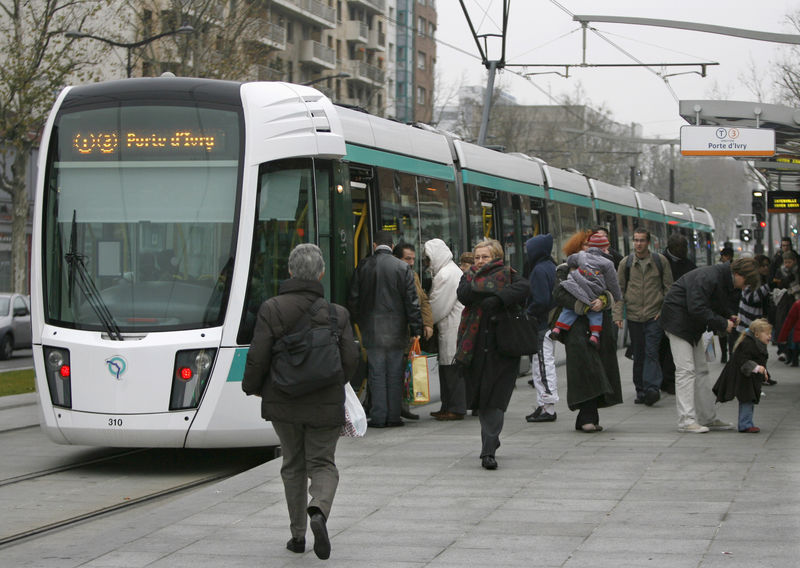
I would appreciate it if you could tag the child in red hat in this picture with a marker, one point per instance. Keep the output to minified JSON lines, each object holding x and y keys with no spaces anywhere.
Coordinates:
{"x":590,"y":276}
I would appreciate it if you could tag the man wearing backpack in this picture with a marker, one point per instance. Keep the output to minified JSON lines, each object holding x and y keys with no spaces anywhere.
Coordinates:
{"x":383,"y":301}
{"x":644,"y":278}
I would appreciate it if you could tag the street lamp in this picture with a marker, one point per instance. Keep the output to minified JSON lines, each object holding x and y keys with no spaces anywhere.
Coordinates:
{"x":184,"y":29}
{"x":342,"y":75}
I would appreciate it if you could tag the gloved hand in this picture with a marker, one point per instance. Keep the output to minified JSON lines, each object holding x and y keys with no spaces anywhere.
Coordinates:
{"x":491,"y":305}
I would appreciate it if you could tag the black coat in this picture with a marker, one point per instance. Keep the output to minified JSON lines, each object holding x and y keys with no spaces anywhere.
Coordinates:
{"x":276,"y":317}
{"x":679,"y":266}
{"x":591,"y":374}
{"x":737,"y":378}
{"x":699,"y":300}
{"x":383,"y":301}
{"x":490,"y":376}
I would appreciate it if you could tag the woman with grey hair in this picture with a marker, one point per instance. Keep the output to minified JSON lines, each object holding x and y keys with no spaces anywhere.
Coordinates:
{"x":307,"y":425}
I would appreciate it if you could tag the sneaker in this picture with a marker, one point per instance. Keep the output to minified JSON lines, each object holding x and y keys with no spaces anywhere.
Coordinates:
{"x":555,"y":335}
{"x":718,"y":424}
{"x":535,"y":414}
{"x":751,"y":430}
{"x":770,"y":382}
{"x":543,"y":416}
{"x":693,"y":428}
{"x":594,"y":341}
{"x":781,"y":357}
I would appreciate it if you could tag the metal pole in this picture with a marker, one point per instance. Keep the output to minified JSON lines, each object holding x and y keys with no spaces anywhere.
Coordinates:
{"x":487,"y":103}
{"x":129,"y":67}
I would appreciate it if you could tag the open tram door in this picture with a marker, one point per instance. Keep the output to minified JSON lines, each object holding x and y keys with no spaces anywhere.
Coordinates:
{"x":362,"y":180}
{"x":483,"y":215}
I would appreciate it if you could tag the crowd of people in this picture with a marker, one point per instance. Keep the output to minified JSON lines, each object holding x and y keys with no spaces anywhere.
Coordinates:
{"x":665,"y":302}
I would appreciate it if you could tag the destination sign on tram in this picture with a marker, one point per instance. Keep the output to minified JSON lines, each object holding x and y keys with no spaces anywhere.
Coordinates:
{"x":151,"y":134}
{"x":727,"y":141}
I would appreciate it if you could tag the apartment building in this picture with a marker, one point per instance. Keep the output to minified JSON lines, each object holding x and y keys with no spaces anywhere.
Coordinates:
{"x":378,"y":55}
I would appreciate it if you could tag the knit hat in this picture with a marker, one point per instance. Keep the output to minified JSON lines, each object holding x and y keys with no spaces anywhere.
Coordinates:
{"x":598,"y":240}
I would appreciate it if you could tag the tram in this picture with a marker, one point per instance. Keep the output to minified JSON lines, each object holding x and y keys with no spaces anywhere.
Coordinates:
{"x":166,"y":209}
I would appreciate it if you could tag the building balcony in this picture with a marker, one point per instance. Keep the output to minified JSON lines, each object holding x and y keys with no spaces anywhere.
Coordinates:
{"x":377,"y":41}
{"x":311,"y":11}
{"x":270,"y":34}
{"x":316,"y":54}
{"x":374,"y":5}
{"x":357,"y":31}
{"x":366,"y":73}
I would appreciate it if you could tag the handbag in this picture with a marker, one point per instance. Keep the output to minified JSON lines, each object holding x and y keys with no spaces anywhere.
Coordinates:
{"x":308,"y":358}
{"x":516,"y":334}
{"x":416,"y":385}
{"x":355,"y":419}
{"x":708,"y":342}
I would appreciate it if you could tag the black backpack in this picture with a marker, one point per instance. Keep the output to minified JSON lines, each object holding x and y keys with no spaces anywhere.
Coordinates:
{"x":308,"y":359}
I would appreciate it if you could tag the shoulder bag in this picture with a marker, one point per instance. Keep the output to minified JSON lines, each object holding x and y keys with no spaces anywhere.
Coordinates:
{"x":516,"y":334}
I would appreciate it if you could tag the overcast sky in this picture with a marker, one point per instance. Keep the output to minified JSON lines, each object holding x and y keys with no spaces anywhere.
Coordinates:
{"x":542,"y":31}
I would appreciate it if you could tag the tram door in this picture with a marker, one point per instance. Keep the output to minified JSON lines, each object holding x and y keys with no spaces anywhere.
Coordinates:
{"x":483,"y":215}
{"x":361,"y":190}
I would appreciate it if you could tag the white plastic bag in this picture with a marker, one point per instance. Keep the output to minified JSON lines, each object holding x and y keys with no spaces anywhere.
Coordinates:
{"x":708,"y":345}
{"x":355,"y":425}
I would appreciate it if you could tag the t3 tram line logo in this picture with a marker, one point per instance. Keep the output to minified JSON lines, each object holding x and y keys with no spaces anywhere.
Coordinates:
{"x":727,"y":133}
{"x":116,"y":366}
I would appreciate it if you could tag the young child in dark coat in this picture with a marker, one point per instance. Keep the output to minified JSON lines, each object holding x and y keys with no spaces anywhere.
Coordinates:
{"x":745,"y":372}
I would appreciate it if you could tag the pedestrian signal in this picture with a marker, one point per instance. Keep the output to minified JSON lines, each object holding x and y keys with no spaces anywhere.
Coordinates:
{"x":745,"y":235}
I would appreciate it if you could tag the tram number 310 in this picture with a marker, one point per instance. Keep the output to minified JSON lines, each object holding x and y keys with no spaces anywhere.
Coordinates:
{"x":115,"y":422}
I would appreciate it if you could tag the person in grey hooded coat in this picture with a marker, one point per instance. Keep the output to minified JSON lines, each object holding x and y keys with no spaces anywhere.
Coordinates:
{"x":446,"y":310}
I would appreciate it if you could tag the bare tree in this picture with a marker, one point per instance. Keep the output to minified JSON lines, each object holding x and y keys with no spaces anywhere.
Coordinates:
{"x":34,"y":65}
{"x":233,"y":39}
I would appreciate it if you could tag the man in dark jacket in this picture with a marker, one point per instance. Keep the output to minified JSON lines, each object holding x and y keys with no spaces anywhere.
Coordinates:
{"x":542,"y":278}
{"x":383,"y":301}
{"x":677,"y":253}
{"x":696,"y":302}
{"x":307,"y":425}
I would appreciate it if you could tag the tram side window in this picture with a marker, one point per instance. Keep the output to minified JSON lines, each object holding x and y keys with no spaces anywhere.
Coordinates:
{"x":438,"y":204}
{"x":512,"y":230}
{"x":568,"y":225}
{"x":397,"y":208}
{"x":284,"y":218}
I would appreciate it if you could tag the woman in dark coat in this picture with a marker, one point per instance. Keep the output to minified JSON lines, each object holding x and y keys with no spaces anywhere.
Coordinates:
{"x":307,"y":425}
{"x":592,"y":374}
{"x":485,"y":290}
{"x":744,"y":374}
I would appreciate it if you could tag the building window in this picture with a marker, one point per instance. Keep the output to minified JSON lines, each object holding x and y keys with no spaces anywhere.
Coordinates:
{"x":290,"y":32}
{"x":421,"y":95}
{"x":391,"y":51}
{"x":421,"y":60}
{"x":421,"y":26}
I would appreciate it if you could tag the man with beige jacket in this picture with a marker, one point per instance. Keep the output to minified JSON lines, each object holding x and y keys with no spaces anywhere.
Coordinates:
{"x":644,"y":278}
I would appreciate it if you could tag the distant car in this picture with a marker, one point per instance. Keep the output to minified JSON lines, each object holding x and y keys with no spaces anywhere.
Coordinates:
{"x":15,"y":324}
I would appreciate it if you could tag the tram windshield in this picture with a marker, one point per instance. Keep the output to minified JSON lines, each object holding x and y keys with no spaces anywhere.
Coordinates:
{"x":138,"y":217}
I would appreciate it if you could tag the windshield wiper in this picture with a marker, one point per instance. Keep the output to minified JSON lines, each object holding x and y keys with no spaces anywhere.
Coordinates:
{"x":78,"y":274}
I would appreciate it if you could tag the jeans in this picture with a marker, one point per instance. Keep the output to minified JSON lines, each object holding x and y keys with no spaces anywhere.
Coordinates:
{"x":385,"y":383}
{"x":745,"y":415}
{"x":543,"y":369}
{"x":645,"y":341}
{"x":568,"y":317}
{"x":694,"y":399}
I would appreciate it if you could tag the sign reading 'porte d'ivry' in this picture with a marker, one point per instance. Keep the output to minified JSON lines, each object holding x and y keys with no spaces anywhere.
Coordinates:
{"x":727,"y":141}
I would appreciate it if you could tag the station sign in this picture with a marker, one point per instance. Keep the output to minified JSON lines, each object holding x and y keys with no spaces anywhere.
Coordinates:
{"x":783,"y":201}
{"x":727,"y":141}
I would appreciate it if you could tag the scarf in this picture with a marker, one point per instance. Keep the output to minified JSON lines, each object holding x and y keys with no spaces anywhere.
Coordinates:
{"x":491,"y":278}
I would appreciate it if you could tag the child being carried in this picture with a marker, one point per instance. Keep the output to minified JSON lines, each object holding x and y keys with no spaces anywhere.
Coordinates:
{"x":591,"y":274}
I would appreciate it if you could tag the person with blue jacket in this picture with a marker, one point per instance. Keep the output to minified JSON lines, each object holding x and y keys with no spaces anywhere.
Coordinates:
{"x":541,"y":270}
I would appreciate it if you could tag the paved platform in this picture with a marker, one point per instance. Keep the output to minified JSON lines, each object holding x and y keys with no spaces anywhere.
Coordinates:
{"x":639,"y":494}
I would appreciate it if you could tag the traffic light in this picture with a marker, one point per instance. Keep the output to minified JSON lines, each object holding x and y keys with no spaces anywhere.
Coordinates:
{"x":760,"y":208}
{"x":745,"y":235}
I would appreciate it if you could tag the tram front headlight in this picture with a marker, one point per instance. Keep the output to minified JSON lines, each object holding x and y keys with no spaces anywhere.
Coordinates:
{"x":190,"y":377}
{"x":59,"y":376}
